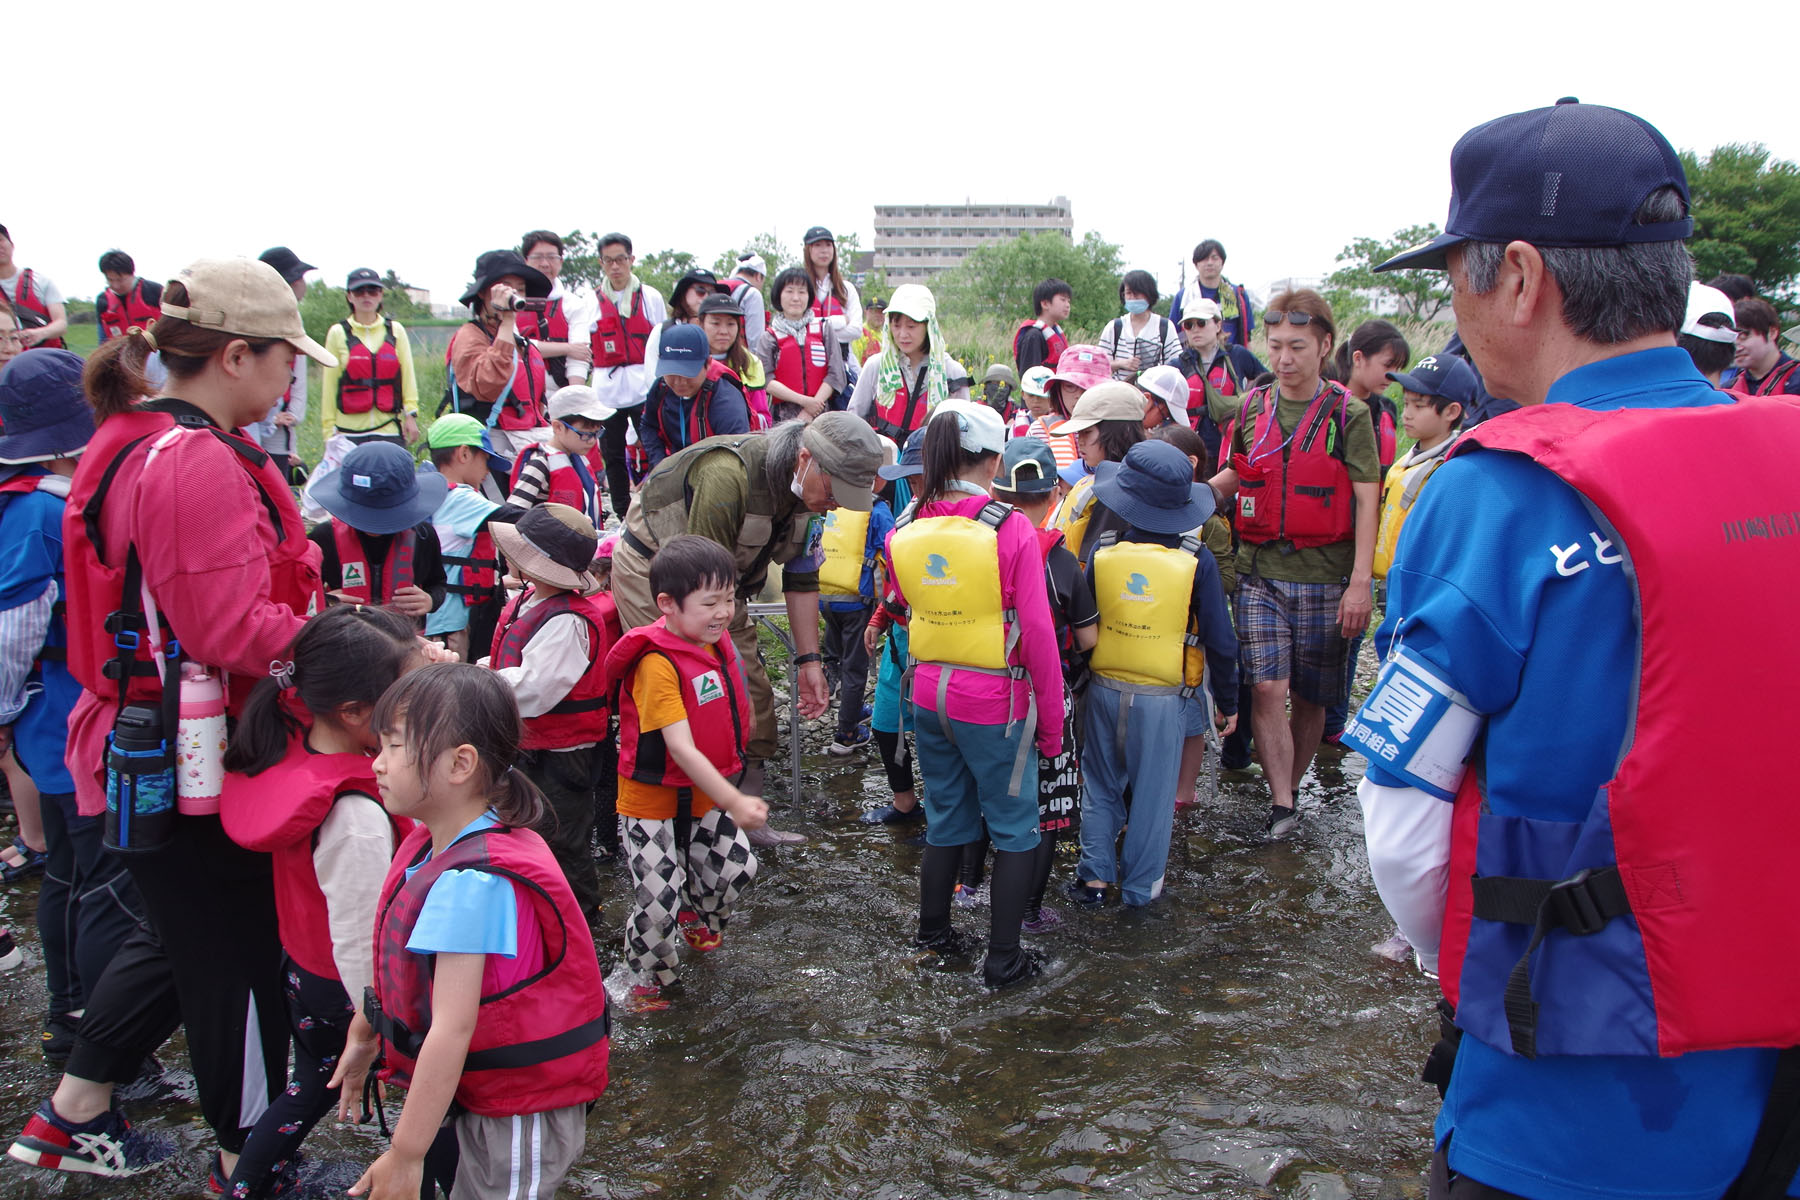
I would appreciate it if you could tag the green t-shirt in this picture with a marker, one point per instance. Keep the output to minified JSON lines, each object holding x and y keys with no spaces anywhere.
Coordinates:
{"x":1280,"y":560}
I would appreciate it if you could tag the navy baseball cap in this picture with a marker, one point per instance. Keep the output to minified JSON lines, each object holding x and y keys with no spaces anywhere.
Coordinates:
{"x":912,"y":459}
{"x":1443,"y":375}
{"x":363,"y":277}
{"x":683,"y":351}
{"x":818,"y":233}
{"x":1572,"y":174}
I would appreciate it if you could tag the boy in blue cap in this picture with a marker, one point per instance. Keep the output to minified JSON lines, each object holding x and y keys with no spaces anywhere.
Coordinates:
{"x":1439,"y":392}
{"x":379,"y":546}
{"x":87,"y":904}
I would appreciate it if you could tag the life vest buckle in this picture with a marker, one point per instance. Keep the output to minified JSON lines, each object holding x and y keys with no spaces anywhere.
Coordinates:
{"x":1575,"y":906}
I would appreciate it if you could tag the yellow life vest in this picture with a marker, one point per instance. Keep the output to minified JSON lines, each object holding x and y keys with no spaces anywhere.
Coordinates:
{"x":1147,"y":637}
{"x":1076,"y":511}
{"x":949,"y":570}
{"x":1398,"y":494}
{"x":845,"y":542}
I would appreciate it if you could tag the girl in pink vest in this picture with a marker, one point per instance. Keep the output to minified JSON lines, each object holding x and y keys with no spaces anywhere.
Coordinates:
{"x":487,"y":989}
{"x":301,"y":788}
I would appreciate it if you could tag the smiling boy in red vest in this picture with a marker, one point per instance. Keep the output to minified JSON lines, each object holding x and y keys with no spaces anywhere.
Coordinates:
{"x":379,"y":546}
{"x":550,"y":648}
{"x":683,"y":715}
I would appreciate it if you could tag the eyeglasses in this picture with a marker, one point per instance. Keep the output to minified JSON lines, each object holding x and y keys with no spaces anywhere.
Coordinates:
{"x":1292,"y":318}
{"x":586,"y":435}
{"x":614,"y":260}
{"x":546,"y":257}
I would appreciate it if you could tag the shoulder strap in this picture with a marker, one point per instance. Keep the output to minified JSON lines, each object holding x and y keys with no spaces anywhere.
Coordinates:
{"x":993,"y":513}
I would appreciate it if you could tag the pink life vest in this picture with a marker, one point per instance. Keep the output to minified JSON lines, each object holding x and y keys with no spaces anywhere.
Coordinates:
{"x":541,"y":1044}
{"x":278,"y":812}
{"x":1688,"y":903}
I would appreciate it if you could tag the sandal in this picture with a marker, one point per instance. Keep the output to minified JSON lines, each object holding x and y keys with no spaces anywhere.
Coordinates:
{"x":31,"y":862}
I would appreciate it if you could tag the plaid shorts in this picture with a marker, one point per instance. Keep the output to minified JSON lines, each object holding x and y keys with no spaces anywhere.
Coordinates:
{"x":1290,"y":631}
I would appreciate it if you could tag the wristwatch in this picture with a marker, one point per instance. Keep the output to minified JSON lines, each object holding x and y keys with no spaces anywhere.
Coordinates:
{"x":803,"y":659}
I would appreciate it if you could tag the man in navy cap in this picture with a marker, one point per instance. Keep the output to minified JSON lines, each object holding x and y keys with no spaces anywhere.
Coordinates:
{"x":1539,"y":821}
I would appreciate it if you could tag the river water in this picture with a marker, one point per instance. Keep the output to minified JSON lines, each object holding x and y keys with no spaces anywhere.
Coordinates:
{"x":1238,"y":1039}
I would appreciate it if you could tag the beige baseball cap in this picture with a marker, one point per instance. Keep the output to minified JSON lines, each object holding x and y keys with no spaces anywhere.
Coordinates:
{"x":246,"y":297}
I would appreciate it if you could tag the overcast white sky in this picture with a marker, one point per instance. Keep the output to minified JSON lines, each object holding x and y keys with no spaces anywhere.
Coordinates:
{"x":375,"y":134}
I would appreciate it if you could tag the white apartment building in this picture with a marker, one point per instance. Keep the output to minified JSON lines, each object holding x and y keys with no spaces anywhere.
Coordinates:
{"x":913,"y":242}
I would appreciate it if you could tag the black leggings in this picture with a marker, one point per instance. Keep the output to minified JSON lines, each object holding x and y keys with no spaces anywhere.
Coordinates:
{"x":896,"y":758}
{"x":612,"y":451}
{"x":1043,"y":858}
{"x":319,"y":1013}
{"x":209,"y":954}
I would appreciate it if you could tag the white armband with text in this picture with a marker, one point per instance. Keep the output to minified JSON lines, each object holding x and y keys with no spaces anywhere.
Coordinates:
{"x":1417,"y":726}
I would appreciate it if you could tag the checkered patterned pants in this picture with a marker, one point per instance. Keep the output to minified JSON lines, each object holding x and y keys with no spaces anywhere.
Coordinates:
{"x":708,"y":879}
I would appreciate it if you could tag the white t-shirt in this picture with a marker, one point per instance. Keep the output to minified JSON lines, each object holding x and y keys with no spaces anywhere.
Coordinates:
{"x":46,"y":288}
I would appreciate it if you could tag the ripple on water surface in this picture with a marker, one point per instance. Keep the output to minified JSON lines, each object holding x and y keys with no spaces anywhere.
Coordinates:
{"x":1236,"y":1039}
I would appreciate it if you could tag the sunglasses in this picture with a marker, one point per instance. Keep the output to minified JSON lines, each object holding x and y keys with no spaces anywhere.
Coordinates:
{"x":1292,"y":318}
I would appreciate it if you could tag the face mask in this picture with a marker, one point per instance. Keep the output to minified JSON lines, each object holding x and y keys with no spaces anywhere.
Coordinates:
{"x":1134,"y":307}
{"x":798,"y":484}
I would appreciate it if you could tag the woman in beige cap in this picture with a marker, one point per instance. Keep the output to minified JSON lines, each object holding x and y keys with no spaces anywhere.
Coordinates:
{"x":191,"y":553}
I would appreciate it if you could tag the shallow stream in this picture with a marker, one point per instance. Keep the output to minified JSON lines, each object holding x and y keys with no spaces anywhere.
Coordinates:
{"x":1238,"y":1039}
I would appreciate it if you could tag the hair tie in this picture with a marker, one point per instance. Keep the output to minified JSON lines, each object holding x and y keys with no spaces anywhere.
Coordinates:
{"x":142,"y":332}
{"x":282,"y":673}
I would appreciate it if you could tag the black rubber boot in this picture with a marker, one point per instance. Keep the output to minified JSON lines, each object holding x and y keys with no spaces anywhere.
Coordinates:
{"x":937,"y":879}
{"x":1009,"y":892}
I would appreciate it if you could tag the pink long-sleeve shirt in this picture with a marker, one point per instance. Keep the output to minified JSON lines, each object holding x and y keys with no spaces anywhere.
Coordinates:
{"x":205,"y":541}
{"x":983,"y":699}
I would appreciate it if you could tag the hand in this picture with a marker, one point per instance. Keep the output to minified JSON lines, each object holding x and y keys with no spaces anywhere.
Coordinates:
{"x":813,"y":696}
{"x":581,"y":352}
{"x":1225,"y":725}
{"x":811,"y":406}
{"x":1130,"y":364}
{"x":433,"y":652}
{"x":391,"y":1177}
{"x":872,"y":639}
{"x":1354,"y":607}
{"x":361,"y":1045}
{"x":748,"y":812}
{"x":409,"y":426}
{"x":32,"y":336}
{"x":6,"y":739}
{"x":286,"y":420}
{"x":412,"y":600}
{"x":500,"y":298}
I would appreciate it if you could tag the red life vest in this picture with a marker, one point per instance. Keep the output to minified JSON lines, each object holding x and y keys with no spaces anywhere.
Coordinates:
{"x":582,"y":715}
{"x":1295,"y":489}
{"x":902,"y":413}
{"x":552,"y":326}
{"x":370,"y":379}
{"x":521,"y":406}
{"x":25,"y":296}
{"x":826,"y":305}
{"x":123,"y":314}
{"x":698,"y":423}
{"x":358,"y":580}
{"x":539,"y":1045}
{"x":1054,"y":341}
{"x":1386,"y":442}
{"x":571,"y":484}
{"x":706,"y":676}
{"x":277,"y":812}
{"x":1773,"y":384}
{"x":617,"y":341}
{"x":99,"y":606}
{"x":479,"y":580}
{"x":801,"y":368}
{"x":1677,"y":935}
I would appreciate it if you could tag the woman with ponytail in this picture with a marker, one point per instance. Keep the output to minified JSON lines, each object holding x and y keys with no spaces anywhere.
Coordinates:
{"x":902,"y":386}
{"x":301,"y":788}
{"x":971,"y":572}
{"x":185,"y":555}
